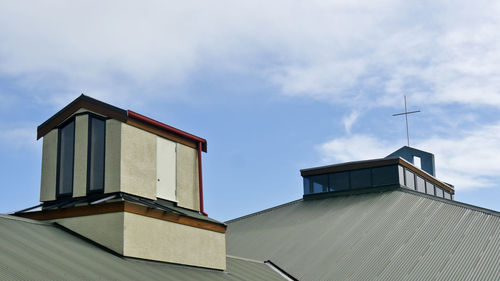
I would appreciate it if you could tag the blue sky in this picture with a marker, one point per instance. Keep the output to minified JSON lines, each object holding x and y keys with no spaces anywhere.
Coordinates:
{"x":274,"y":87}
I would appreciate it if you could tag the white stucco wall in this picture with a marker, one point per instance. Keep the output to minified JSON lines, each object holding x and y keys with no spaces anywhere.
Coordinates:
{"x":188,"y":194}
{"x":104,"y":229}
{"x":112,"y":158}
{"x":49,"y":167}
{"x":138,"y":162}
{"x":80,"y":163}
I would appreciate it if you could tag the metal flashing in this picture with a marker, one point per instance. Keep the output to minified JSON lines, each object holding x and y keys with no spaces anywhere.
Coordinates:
{"x":168,"y":128}
{"x":279,"y":270}
{"x":122,"y":202}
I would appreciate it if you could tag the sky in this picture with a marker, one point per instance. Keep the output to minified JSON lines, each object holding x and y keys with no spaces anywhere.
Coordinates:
{"x":274,"y":86}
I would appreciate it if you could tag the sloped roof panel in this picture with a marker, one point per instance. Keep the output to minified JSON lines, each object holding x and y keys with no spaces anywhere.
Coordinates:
{"x":31,"y":250}
{"x":394,"y":235}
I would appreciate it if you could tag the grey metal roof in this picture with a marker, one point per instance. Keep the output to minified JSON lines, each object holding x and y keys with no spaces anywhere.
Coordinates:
{"x":32,"y":250}
{"x":393,"y":235}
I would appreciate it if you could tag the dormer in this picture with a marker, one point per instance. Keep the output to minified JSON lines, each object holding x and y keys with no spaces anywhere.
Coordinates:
{"x":91,"y":147}
{"x":129,"y":183}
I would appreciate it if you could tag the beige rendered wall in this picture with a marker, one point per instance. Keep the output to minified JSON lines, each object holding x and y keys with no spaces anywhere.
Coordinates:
{"x":104,"y":229}
{"x":112,"y":156}
{"x":138,"y":162}
{"x":49,"y":167}
{"x":82,"y":110}
{"x":81,"y":147}
{"x":150,"y":238}
{"x":188,"y":194}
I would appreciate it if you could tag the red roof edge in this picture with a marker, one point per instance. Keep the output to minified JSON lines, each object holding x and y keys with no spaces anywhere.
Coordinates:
{"x":145,"y":119}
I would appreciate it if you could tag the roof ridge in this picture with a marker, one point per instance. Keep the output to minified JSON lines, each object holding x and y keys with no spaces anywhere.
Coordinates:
{"x":244,"y":259}
{"x":16,"y":218}
{"x":452,"y":202}
{"x":264,"y":211}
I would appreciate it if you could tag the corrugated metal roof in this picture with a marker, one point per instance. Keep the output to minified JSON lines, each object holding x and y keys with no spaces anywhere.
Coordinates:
{"x":31,"y":250}
{"x":394,"y":235}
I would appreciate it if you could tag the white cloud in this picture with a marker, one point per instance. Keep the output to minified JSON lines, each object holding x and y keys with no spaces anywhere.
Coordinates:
{"x":21,"y":137}
{"x":338,"y":51}
{"x":469,"y":160}
{"x":349,"y":120}
{"x":354,"y":148}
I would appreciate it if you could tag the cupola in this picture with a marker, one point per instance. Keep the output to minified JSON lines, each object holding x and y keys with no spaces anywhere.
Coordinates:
{"x":129,"y":183}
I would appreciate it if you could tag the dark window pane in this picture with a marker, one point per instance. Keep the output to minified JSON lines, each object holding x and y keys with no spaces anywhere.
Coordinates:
{"x":420,"y":184}
{"x":320,"y":183}
{"x":307,"y":185}
{"x":409,"y":179}
{"x":96,"y":161}
{"x":429,"y":187}
{"x":339,"y":181}
{"x":385,"y":175}
{"x":361,"y":178}
{"x":66,"y":157}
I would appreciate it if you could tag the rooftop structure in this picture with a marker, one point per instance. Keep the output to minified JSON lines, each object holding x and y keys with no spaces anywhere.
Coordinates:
{"x":129,"y":183}
{"x":377,"y":174}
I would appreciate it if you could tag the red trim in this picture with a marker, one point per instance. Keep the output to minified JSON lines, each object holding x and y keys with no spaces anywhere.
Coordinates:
{"x":200,"y":177}
{"x":135,"y":115}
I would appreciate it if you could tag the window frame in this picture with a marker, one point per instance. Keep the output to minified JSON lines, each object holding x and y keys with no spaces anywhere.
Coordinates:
{"x":58,"y":169}
{"x":89,"y":146}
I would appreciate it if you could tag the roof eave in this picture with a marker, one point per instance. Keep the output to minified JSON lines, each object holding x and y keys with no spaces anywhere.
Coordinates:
{"x":82,"y":101}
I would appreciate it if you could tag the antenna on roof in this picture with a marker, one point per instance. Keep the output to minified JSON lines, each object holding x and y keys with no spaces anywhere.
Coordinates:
{"x":406,"y":117}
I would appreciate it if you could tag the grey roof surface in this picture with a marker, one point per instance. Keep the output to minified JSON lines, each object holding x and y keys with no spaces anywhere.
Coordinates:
{"x":393,"y":235}
{"x":32,"y":250}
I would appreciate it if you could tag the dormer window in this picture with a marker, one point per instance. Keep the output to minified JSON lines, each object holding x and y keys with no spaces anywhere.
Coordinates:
{"x":65,"y":160}
{"x":97,"y":139}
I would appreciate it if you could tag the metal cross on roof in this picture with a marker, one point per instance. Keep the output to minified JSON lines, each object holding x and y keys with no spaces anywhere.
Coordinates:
{"x":406,"y":117}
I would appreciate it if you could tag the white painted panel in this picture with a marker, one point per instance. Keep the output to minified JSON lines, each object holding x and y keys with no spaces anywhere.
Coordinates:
{"x":165,"y":169}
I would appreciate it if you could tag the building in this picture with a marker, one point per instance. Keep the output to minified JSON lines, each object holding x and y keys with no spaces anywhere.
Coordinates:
{"x":122,"y":199}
